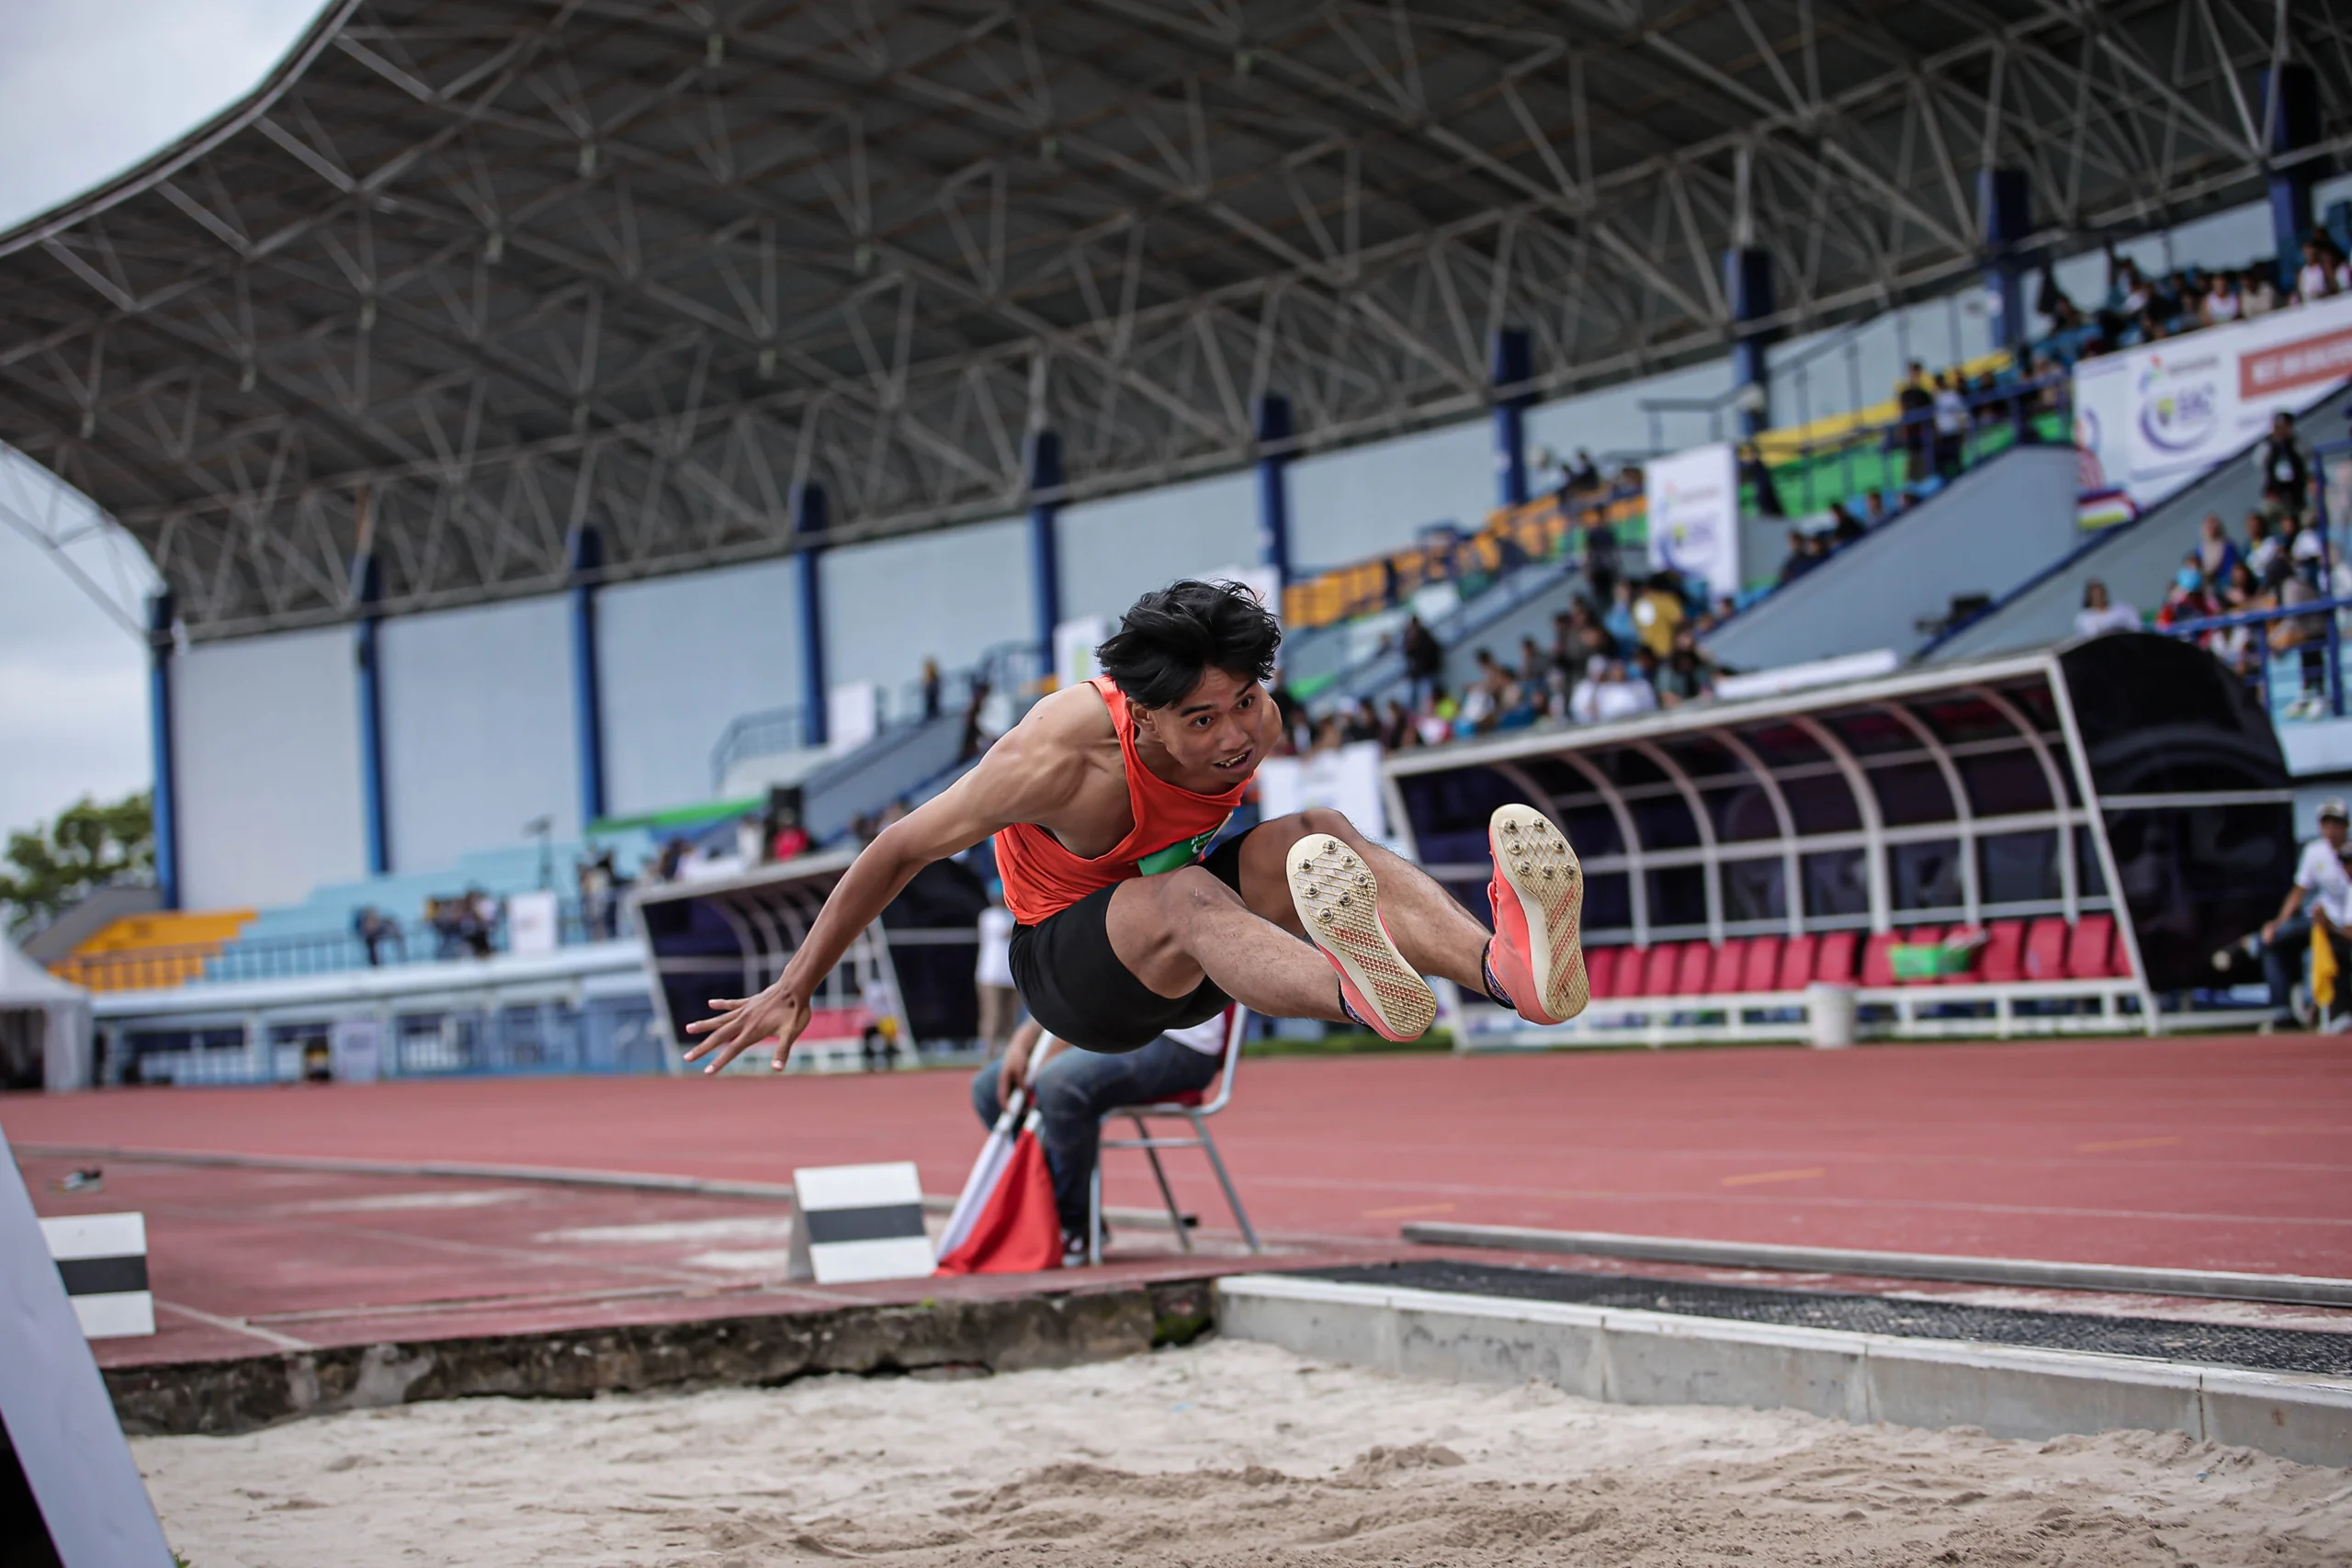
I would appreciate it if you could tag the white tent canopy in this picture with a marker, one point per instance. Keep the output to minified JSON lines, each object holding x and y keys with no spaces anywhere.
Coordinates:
{"x":40,"y":1012}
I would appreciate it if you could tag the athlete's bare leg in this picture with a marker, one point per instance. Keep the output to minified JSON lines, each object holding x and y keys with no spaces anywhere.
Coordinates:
{"x":1432,"y":932}
{"x":1173,"y":929}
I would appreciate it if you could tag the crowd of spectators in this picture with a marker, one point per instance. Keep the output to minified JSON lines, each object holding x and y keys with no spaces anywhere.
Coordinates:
{"x":1630,"y":651}
{"x":2142,"y":308}
{"x":2281,"y":560}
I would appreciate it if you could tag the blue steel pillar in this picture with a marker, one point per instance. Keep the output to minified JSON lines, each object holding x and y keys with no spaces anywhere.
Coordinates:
{"x":2289,"y":100}
{"x":1747,"y":288}
{"x":810,"y":517}
{"x":2005,"y":207}
{"x":585,"y":551}
{"x":159,"y":722}
{"x":1044,"y":542}
{"x":1513,"y":367}
{"x":1273,"y":487}
{"x":367,"y":594}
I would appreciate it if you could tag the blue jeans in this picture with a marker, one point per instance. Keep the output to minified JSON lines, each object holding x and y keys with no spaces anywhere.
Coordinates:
{"x":1075,"y":1088}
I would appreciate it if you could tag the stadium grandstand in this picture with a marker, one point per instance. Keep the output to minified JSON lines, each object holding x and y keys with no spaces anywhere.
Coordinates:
{"x":588,"y":452}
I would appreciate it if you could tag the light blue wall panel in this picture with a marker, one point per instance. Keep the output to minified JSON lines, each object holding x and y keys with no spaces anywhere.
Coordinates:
{"x":1350,"y":504}
{"x":477,"y":729}
{"x":951,"y":595}
{"x":684,"y":657}
{"x":1114,"y":550}
{"x":1614,"y":427}
{"x":268,"y":733}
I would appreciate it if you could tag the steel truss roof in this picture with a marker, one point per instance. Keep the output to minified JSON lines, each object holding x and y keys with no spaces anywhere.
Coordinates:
{"x":465,"y":273}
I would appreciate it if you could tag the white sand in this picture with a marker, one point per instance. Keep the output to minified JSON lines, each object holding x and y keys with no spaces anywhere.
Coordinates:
{"x":1230,"y":1453}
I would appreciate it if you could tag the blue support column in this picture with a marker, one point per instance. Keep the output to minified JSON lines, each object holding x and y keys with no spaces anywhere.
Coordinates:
{"x":1513,"y":367}
{"x":2290,"y":103}
{"x":2005,"y":209}
{"x":1044,"y":542}
{"x":368,"y":592}
{"x":810,"y":517}
{"x":585,"y":551}
{"x":1273,"y":487}
{"x":1747,"y":288}
{"x":160,"y":642}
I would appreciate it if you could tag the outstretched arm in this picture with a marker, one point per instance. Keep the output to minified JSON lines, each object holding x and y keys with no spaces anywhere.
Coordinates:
{"x":1023,"y":775}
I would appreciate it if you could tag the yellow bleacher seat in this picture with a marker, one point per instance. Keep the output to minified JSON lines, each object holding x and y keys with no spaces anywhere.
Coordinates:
{"x":152,"y":952}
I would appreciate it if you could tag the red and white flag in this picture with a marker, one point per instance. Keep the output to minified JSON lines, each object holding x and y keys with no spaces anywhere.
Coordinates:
{"x":1005,"y":1220}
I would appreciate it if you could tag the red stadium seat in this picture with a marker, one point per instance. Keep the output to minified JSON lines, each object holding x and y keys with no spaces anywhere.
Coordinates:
{"x":2090,"y":953}
{"x":2003,"y":961}
{"x":1601,"y":965}
{"x":1693,"y":971}
{"x":1759,"y":970}
{"x":1658,"y":970}
{"x":1878,"y":959}
{"x":1797,"y":960}
{"x":1834,"y":962}
{"x":2045,"y":949}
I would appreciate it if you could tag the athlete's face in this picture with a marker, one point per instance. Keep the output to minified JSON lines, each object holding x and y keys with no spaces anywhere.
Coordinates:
{"x":1217,"y":730}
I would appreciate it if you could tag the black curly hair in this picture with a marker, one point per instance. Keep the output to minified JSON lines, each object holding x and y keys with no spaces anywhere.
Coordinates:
{"x":1171,"y":637}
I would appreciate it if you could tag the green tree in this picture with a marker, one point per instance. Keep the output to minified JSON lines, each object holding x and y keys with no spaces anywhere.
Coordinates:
{"x":88,"y":846}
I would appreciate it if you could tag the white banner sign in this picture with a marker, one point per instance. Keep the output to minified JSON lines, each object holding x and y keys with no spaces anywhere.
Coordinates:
{"x":1346,"y":780}
{"x":2156,"y":417}
{"x":1693,"y":502}
{"x":1074,"y":645}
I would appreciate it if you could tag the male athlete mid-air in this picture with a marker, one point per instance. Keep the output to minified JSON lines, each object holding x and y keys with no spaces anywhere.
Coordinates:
{"x":1101,"y":800}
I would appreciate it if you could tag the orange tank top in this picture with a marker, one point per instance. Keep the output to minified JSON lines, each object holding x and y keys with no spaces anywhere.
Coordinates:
{"x":1173,"y":826}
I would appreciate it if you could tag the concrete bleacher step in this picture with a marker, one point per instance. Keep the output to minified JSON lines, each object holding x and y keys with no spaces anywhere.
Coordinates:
{"x":1988,"y":532}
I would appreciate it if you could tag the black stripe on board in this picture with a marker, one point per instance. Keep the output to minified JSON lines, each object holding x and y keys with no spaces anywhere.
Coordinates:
{"x":103,"y":1276}
{"x":885,"y":1222}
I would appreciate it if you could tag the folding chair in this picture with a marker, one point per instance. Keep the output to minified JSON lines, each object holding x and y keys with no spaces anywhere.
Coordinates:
{"x":1193,"y":1107}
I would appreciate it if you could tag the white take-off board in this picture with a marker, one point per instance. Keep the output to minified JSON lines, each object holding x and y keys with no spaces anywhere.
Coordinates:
{"x":858,"y":1222}
{"x":61,"y":1422}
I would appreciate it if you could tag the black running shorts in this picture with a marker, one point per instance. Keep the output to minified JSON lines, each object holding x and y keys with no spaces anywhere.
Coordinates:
{"x":1074,"y":985}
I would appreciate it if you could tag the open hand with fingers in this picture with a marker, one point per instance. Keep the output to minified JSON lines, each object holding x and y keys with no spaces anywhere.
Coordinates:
{"x":776,"y":1014}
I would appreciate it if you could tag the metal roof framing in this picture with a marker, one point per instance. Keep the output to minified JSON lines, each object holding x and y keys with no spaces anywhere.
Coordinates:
{"x":464,"y":273}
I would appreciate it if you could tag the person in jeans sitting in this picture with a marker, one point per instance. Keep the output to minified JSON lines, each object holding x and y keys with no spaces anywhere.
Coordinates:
{"x":1074,"y":1090}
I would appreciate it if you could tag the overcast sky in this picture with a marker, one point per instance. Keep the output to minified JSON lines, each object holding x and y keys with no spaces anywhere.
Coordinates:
{"x":87,"y":89}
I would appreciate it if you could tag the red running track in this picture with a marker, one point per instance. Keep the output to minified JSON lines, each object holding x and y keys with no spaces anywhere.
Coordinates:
{"x":2208,"y":1154}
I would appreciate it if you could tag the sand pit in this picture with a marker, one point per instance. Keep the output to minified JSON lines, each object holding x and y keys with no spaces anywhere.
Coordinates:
{"x":1228,"y":1453}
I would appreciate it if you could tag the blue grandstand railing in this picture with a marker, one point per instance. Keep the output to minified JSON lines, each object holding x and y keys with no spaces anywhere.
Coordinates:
{"x":2327,"y":639}
{"x":294,"y":955}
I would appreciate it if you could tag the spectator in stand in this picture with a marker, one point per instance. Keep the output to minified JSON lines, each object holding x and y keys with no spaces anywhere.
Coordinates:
{"x":1582,"y":475}
{"x":2258,"y":294}
{"x":1424,"y":658}
{"x":2321,"y":883}
{"x":1397,"y":731}
{"x":2222,"y":304}
{"x":1756,"y":474}
{"x":1658,"y":613}
{"x":2101,"y":614}
{"x":1534,"y":664}
{"x":1951,"y":426}
{"x":2238,"y":647}
{"x":1687,"y":674}
{"x":374,"y":928}
{"x":1603,"y":566}
{"x":1606,"y":693}
{"x":1618,"y":621}
{"x":2127,"y":292}
{"x":992,"y":974}
{"x":2186,"y":600}
{"x":2305,"y":636}
{"x":2307,"y":552}
{"x":2261,"y":547}
{"x":1645,"y":668}
{"x":1801,"y":559}
{"x":1844,"y":527}
{"x":1436,"y":718}
{"x":2217,"y":557}
{"x":1915,"y":408}
{"x":2284,"y":465}
{"x":1873,"y":510}
{"x":2317,"y":279}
